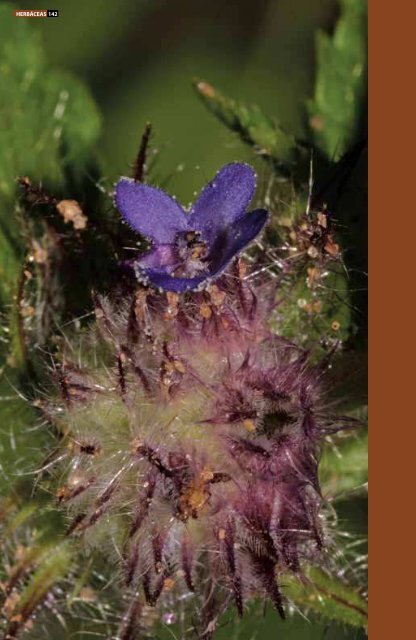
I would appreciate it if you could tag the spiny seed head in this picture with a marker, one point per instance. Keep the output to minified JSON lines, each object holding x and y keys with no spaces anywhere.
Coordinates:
{"x":193,"y":441}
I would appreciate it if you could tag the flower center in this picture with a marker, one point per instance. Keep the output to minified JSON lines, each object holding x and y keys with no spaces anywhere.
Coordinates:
{"x":192,"y":254}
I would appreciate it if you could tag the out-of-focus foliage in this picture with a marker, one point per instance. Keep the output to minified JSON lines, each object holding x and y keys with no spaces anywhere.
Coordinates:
{"x":340,"y":86}
{"x":337,"y":107}
{"x":48,"y":127}
{"x":255,"y":128}
{"x":49,"y":121}
{"x":328,"y":597}
{"x":138,"y":58}
{"x":344,"y":465}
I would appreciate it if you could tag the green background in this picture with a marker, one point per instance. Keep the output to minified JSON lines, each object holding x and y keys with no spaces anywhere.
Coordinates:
{"x":139,"y":56}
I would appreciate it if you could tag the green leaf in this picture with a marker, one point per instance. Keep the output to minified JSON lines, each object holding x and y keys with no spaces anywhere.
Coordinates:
{"x":344,"y":466}
{"x":48,"y":117}
{"x":35,"y":557}
{"x":327,"y":597}
{"x":54,"y":564}
{"x":340,"y":87}
{"x":253,"y":127}
{"x":20,"y":443}
{"x":48,"y":126}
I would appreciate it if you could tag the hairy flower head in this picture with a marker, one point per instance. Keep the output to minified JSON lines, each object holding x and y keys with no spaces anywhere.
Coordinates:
{"x":194,"y":430}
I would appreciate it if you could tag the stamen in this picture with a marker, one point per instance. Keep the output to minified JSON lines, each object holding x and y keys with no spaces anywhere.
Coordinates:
{"x":192,"y":254}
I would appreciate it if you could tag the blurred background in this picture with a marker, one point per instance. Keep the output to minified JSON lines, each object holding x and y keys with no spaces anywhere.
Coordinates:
{"x":138,"y":58}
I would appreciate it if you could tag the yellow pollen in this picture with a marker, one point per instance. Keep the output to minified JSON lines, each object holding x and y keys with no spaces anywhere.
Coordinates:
{"x":217,"y":296}
{"x":168,"y":584}
{"x":205,"y":310}
{"x":249,"y":425}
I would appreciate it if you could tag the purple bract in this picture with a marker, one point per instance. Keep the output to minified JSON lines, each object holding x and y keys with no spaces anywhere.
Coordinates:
{"x":189,"y":249}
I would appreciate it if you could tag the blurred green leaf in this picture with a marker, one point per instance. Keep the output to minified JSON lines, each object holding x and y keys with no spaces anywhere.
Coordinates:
{"x":340,"y":88}
{"x":48,"y":118}
{"x":48,"y":126}
{"x":344,"y":465}
{"x":20,"y":444}
{"x":54,"y":563}
{"x":328,"y":597}
{"x":251,"y":124}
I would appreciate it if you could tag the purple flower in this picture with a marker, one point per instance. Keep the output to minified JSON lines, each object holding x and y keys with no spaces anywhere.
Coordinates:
{"x":189,"y":249}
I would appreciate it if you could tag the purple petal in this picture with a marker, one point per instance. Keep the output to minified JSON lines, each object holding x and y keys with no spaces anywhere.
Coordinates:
{"x":161,"y":256}
{"x":149,"y":210}
{"x":223,"y":200}
{"x":233,"y":239}
{"x":227,"y":244}
{"x":162,"y":280}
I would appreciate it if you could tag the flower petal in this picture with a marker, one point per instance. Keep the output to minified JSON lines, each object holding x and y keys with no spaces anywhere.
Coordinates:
{"x":233,"y":239}
{"x":228,"y":243}
{"x":162,"y":280}
{"x":149,"y":210}
{"x":223,"y":200}
{"x":161,"y":256}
